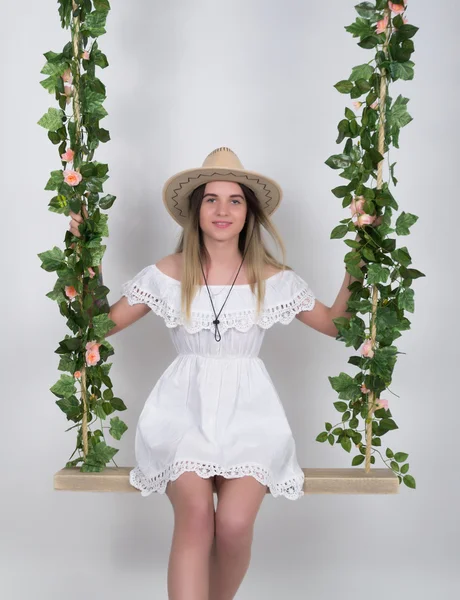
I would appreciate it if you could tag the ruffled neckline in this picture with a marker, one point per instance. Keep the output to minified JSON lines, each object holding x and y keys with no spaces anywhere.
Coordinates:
{"x":286,"y":294}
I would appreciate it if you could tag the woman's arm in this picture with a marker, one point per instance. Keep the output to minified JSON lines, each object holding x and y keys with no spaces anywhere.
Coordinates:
{"x":321,"y":316}
{"x":121,"y":313}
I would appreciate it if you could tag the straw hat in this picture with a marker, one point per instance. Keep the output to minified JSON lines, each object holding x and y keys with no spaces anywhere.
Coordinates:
{"x":222,"y":164}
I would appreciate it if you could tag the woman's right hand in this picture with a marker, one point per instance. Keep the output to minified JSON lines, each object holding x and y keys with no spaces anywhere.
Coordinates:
{"x":75,"y":220}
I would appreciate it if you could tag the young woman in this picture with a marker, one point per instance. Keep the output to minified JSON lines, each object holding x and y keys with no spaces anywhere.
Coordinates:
{"x":214,"y":414}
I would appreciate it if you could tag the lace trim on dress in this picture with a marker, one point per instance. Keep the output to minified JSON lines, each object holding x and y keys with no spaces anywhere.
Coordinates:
{"x":291,"y":489}
{"x":240,"y":320}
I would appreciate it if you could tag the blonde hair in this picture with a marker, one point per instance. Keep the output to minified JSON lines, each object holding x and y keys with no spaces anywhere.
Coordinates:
{"x":192,"y":247}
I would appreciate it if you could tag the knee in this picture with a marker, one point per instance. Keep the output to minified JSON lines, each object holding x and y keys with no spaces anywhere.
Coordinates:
{"x":233,"y":531}
{"x":195,"y":516}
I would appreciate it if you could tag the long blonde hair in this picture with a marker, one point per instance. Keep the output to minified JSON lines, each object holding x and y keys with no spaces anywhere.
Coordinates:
{"x":257,"y":255}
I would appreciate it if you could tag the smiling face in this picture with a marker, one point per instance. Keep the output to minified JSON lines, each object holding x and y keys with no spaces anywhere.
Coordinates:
{"x":223,"y":210}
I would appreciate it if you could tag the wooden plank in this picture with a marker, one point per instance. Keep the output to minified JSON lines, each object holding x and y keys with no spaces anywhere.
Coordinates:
{"x":350,"y":481}
{"x":317,"y":481}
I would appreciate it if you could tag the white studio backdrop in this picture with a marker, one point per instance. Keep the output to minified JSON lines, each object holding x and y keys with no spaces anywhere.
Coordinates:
{"x":183,"y":79}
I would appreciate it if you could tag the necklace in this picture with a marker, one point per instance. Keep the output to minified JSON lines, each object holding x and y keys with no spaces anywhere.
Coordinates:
{"x":217,"y":335}
{"x":220,"y":291}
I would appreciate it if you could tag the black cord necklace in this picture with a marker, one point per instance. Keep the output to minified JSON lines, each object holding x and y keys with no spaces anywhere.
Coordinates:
{"x":217,"y":335}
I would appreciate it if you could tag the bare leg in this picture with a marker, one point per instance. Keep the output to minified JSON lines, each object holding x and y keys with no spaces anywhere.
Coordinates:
{"x":188,"y":569}
{"x":237,"y":508}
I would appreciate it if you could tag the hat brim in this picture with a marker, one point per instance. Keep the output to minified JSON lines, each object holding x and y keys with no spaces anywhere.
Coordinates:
{"x":177,"y":188}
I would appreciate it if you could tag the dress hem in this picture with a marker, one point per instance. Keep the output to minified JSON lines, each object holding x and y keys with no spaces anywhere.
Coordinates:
{"x":292,"y":488}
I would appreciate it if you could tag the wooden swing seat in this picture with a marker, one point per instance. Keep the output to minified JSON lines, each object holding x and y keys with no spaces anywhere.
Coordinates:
{"x":317,"y":481}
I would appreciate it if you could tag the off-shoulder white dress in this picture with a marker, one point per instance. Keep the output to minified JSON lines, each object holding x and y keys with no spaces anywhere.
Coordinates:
{"x":215,"y":410}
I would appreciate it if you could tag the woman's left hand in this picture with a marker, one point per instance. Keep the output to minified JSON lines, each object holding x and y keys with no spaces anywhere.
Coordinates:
{"x":376,"y":223}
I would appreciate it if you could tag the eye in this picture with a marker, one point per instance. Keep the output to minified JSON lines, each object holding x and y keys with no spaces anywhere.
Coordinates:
{"x":235,"y":200}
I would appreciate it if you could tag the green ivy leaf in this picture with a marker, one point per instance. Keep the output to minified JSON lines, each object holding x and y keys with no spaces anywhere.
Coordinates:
{"x":344,"y":86}
{"x":402,"y":256}
{"x":71,"y":407}
{"x":366,"y":9}
{"x":377,"y":273}
{"x":401,"y":457}
{"x":58,"y":204}
{"x":94,"y":23}
{"x":341,"y":191}
{"x":360,"y":28}
{"x":107,"y":201}
{"x":101,"y":5}
{"x":402,"y":70}
{"x":339,"y":232}
{"x":102,"y":228}
{"x":55,"y":181}
{"x":338,"y":161}
{"x":404,"y":222}
{"x":388,"y":424}
{"x":346,"y":387}
{"x":406,"y":300}
{"x":52,"y":120}
{"x":409,"y":481}
{"x":98,"y":456}
{"x":102,"y":325}
{"x":398,"y":116}
{"x":64,"y":387}
{"x":118,"y":404}
{"x":346,"y":443}
{"x":97,"y":254}
{"x":98,"y":410}
{"x":383,"y":363}
{"x":67,"y":364}
{"x":117,"y":428}
{"x":52,"y":260}
{"x":361,"y":72}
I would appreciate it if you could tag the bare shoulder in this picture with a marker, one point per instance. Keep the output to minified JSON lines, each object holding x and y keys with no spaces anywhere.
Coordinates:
{"x":271,"y":270}
{"x":171,"y":265}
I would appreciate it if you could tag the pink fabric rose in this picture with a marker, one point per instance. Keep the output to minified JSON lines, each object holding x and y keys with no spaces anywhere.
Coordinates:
{"x":397,"y":8}
{"x":364,"y":219}
{"x":70,"y":291}
{"x":91,"y":272}
{"x":68,"y":92}
{"x":382,"y":403}
{"x":357,"y":104}
{"x":364,"y":389}
{"x":92,"y":353}
{"x":68,"y":155}
{"x":356,"y":205}
{"x":77,"y":374}
{"x":85,"y":55}
{"x":366,"y":349}
{"x":382,"y":25}
{"x":67,"y":76}
{"x":71,"y":177}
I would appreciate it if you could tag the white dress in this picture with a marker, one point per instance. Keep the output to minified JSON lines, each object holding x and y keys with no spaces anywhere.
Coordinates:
{"x":215,"y":410}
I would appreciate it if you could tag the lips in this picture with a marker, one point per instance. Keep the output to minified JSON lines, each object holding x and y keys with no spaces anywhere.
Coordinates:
{"x":221,"y":224}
